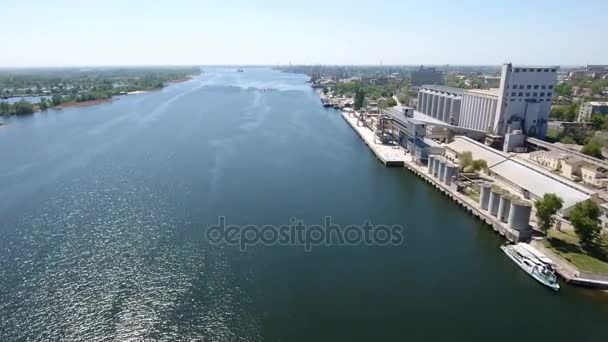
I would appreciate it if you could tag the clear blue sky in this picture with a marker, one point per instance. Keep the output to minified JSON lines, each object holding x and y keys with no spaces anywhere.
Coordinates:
{"x":108,"y":32}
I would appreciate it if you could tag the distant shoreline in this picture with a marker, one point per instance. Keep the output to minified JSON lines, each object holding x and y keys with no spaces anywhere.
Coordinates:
{"x":113,"y":98}
{"x":85,"y":103}
{"x":180,"y":80}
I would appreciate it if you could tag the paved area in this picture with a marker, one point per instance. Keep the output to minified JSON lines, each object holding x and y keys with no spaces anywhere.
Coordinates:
{"x":391,"y":155}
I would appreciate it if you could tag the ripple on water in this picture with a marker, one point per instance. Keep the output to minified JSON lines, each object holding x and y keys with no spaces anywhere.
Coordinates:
{"x":101,"y":260}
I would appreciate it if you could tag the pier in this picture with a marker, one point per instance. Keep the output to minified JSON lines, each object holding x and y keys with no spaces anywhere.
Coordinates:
{"x":392,"y":156}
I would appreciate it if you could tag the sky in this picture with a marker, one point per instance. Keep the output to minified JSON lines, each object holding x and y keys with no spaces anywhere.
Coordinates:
{"x":40,"y":33}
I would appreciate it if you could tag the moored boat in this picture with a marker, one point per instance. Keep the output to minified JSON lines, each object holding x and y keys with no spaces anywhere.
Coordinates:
{"x":531,"y":264}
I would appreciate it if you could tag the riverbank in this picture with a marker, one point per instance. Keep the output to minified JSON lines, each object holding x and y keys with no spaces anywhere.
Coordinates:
{"x":85,"y":103}
{"x":180,"y":80}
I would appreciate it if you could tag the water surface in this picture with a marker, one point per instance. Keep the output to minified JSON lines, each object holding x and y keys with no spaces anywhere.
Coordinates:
{"x":103,"y":211}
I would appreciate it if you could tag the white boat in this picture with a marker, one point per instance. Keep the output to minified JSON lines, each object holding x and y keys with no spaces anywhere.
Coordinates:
{"x":535,"y":267}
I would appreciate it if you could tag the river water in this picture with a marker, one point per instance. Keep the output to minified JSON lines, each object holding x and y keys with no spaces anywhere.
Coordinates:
{"x":103,"y":212}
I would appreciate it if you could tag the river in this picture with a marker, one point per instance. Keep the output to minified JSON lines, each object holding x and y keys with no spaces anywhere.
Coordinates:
{"x":103,"y":212}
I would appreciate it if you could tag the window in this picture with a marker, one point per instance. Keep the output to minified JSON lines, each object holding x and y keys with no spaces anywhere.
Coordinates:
{"x":528,"y":87}
{"x":514,"y":86}
{"x":552,"y":70}
{"x":551,"y":87}
{"x":539,"y":70}
{"x":546,"y":70}
{"x":542,"y":94}
{"x":521,"y":86}
{"x":549,"y":94}
{"x":535,"y":94}
{"x":536,"y":86}
{"x":521,"y":94}
{"x":543,"y":86}
{"x":524,"y":70}
{"x":516,"y":70}
{"x":527,"y":94}
{"x":513,"y":94}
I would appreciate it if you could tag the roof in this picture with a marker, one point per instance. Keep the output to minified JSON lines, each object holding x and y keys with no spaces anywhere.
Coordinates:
{"x":553,"y":154}
{"x":574,"y":161}
{"x":431,"y":142}
{"x":486,"y":92}
{"x":593,"y":167}
{"x":460,"y":145}
{"x":598,"y":103}
{"x":537,"y":182}
{"x":444,"y":89}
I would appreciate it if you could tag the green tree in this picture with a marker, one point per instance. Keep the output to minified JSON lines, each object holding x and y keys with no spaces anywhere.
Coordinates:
{"x":597,"y":121}
{"x":546,"y":208}
{"x":563,"y":90}
{"x":570,"y":112}
{"x":593,"y":148}
{"x":404,"y":94}
{"x":23,"y":108}
{"x":5,"y":108}
{"x":567,"y":140}
{"x":382,"y":103}
{"x":359,"y":98}
{"x":465,"y":159}
{"x":43,"y":104}
{"x":479,"y":164}
{"x":557,"y":112}
{"x":56,"y":100}
{"x":390,"y":101}
{"x":585,"y":218}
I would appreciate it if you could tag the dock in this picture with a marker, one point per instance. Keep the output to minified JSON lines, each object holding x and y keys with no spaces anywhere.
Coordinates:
{"x":392,"y":156}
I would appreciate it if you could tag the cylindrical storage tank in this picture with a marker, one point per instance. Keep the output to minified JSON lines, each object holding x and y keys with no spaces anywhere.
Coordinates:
{"x":430,"y":164}
{"x":436,"y":167}
{"x":503,"y":208}
{"x":441,"y":170}
{"x":449,"y":173}
{"x":494,"y":201}
{"x":484,"y":196}
{"x":519,"y":215}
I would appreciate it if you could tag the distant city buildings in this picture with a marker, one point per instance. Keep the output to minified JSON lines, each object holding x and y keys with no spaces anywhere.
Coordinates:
{"x":522,"y":102}
{"x":426,"y":76}
{"x":593,"y":71}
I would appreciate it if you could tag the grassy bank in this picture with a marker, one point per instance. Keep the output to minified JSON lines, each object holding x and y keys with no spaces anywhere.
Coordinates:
{"x":566,"y":245}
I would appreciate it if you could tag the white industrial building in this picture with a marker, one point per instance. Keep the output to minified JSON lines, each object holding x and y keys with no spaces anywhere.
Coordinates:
{"x":522,"y":102}
{"x":525,"y":97}
{"x":478,"y":109}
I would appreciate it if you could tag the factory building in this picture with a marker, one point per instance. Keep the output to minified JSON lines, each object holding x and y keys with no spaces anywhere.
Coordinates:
{"x":478,"y":109}
{"x":522,"y":102}
{"x":440,"y":102}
